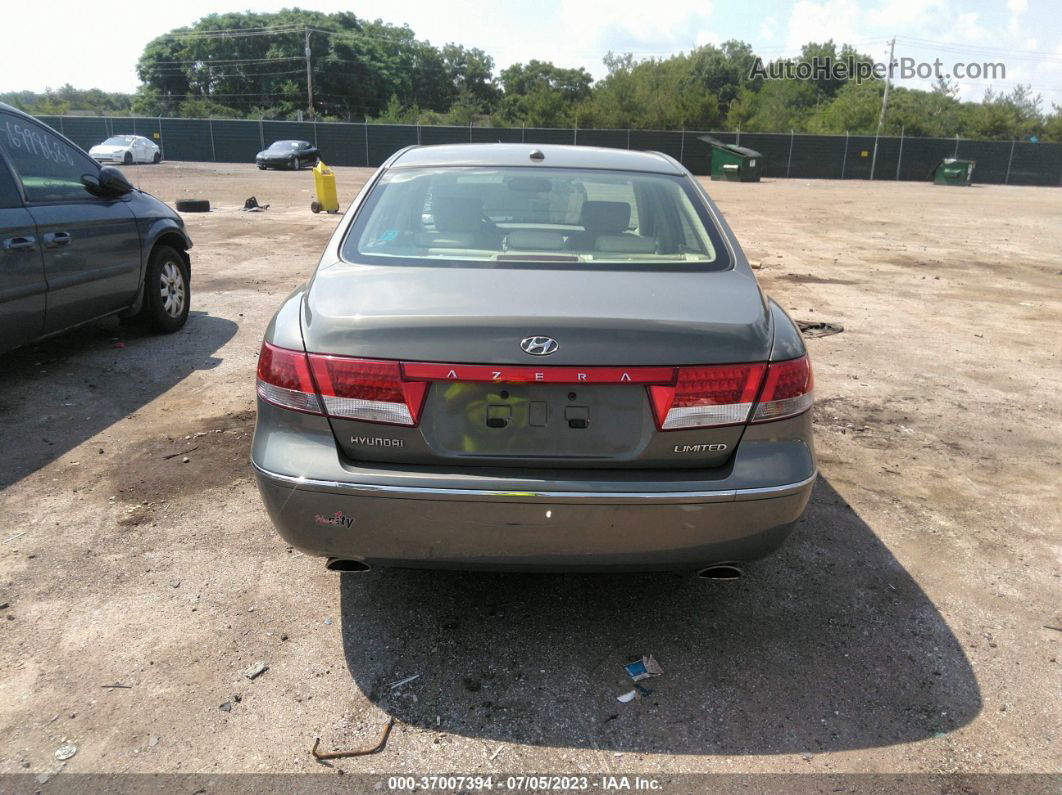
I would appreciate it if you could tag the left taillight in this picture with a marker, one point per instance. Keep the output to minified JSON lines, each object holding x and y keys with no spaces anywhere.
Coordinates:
{"x":284,"y":379}
{"x":367,"y":389}
{"x":339,"y":386}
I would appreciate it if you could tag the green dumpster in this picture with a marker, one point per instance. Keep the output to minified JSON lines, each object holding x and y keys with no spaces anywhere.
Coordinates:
{"x":953,"y":171}
{"x":734,"y":163}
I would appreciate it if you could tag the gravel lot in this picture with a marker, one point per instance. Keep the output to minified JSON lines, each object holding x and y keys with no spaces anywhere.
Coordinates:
{"x":912,"y":624}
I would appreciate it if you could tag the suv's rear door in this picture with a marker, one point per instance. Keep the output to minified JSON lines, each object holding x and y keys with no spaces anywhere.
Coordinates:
{"x":22,"y":285}
{"x":91,"y":244}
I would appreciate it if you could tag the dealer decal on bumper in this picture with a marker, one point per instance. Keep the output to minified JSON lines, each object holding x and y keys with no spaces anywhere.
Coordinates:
{"x":339,"y":519}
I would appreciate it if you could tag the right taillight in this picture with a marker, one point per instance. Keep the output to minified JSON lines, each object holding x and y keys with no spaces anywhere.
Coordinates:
{"x":787,"y":390}
{"x":701,"y":397}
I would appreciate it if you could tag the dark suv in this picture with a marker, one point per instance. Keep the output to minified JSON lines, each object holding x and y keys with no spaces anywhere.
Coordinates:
{"x":78,"y":242}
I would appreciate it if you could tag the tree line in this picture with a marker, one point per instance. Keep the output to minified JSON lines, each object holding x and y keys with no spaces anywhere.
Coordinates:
{"x":252,"y":65}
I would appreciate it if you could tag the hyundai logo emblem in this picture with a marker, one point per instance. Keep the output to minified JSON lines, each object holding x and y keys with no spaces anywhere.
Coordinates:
{"x":539,"y":346}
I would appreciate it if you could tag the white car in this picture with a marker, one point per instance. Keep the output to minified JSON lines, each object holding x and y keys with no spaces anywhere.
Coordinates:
{"x":126,"y":149}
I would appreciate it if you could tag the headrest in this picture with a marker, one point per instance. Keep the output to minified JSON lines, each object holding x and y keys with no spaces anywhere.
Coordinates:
{"x":458,"y":213}
{"x":597,"y":216}
{"x":450,"y":240}
{"x":534,"y":240}
{"x":625,"y":244}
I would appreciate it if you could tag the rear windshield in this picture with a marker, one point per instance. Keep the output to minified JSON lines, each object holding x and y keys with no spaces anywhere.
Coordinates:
{"x":499,"y":216}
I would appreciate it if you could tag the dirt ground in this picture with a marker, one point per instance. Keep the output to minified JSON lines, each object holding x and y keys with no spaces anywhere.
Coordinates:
{"x":912,"y":623}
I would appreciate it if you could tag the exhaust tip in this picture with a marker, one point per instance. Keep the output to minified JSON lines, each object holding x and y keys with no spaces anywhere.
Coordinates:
{"x":721,"y":571}
{"x":349,"y":566}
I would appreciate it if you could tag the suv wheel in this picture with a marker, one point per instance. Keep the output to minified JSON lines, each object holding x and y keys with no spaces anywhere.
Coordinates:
{"x":167,"y":295}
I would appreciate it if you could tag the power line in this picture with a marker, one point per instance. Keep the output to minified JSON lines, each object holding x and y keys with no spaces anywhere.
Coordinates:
{"x":1054,"y":56}
{"x":233,"y":33}
{"x":228,"y":60}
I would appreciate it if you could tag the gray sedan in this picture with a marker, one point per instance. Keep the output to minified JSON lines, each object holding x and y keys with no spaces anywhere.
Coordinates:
{"x":552,"y":358}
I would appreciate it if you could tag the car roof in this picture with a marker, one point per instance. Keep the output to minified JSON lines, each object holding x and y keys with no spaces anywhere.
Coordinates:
{"x":13,"y":109}
{"x":553,"y":155}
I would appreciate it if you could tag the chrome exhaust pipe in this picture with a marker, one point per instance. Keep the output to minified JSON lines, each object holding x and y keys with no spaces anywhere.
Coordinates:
{"x":721,"y":571}
{"x":348,"y":566}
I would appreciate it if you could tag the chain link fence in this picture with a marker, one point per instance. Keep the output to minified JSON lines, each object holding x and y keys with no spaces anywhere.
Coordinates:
{"x":787,"y":154}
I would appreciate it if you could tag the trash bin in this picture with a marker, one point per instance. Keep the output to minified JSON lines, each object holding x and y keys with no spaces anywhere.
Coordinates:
{"x":734,"y":163}
{"x":324,"y":189}
{"x":953,"y":171}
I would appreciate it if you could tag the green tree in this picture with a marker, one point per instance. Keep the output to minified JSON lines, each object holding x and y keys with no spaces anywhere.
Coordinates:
{"x":1001,"y":117}
{"x":541,"y":94}
{"x":472,"y":75}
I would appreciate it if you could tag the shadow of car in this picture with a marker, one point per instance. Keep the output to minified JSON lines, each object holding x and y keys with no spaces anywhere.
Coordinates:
{"x":842,"y":650}
{"x":59,"y":392}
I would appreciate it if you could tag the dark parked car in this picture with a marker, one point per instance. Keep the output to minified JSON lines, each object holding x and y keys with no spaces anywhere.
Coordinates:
{"x":288,"y":154}
{"x":78,"y":242}
{"x":551,"y":358}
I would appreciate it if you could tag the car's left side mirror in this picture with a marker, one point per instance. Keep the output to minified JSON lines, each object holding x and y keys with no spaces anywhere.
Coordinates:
{"x":110,"y":182}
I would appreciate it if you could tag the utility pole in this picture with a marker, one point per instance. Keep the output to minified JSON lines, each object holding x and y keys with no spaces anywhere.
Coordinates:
{"x":884,"y":106}
{"x":309,"y":75}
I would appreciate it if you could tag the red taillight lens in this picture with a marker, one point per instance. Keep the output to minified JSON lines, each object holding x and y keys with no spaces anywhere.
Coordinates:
{"x":787,"y":391}
{"x":367,"y":389}
{"x":284,"y":379}
{"x":706,"y":396}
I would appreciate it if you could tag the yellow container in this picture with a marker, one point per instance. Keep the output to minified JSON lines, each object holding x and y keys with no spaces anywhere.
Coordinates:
{"x":324,"y":188}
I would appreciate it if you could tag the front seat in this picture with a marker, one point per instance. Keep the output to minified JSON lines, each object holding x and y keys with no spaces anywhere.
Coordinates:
{"x":599,"y":218}
{"x":460,"y":219}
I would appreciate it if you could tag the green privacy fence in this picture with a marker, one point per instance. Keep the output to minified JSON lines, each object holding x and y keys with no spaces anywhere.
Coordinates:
{"x":787,"y":154}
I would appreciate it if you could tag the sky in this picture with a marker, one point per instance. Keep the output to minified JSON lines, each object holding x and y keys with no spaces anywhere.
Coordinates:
{"x":91,"y":44}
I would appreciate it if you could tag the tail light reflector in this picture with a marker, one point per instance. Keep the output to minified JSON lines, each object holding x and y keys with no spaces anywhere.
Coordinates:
{"x":367,"y":389}
{"x":787,"y":391}
{"x":284,"y":379}
{"x":706,"y":396}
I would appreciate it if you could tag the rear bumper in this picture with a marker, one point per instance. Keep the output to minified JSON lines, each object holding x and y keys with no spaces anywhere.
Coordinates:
{"x":467,"y":528}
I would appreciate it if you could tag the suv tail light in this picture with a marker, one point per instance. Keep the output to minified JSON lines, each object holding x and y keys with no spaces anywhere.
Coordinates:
{"x":338,"y":386}
{"x":703,"y":396}
{"x":787,"y":391}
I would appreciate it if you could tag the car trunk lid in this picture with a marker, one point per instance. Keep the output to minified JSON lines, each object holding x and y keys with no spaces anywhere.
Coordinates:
{"x":457,"y":331}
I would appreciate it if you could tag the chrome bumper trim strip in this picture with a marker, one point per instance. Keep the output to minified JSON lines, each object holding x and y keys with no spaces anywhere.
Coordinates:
{"x":604,"y":497}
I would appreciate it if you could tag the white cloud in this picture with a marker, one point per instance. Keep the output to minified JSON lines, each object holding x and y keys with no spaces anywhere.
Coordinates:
{"x":767,"y":28}
{"x":644,"y":28}
{"x":831,"y":19}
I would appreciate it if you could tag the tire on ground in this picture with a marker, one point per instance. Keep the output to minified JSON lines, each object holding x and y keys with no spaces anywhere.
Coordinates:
{"x":193,"y":206}
{"x":153,"y":313}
